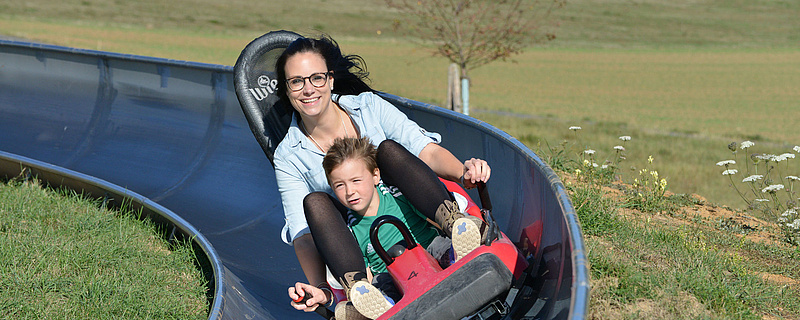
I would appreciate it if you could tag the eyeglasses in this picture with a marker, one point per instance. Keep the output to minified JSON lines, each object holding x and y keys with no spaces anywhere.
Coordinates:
{"x":317,"y":80}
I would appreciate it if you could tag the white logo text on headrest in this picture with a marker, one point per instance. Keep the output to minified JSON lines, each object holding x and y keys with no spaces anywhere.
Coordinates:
{"x":267,"y":86}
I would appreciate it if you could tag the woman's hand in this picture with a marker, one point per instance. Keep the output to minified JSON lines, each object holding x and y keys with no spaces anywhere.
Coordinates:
{"x":317,"y":297}
{"x":475,"y":170}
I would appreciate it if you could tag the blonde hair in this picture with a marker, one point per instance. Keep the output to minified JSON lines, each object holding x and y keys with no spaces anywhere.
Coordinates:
{"x":350,"y":148}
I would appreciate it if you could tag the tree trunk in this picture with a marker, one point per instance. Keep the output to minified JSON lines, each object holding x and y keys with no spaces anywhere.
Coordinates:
{"x":453,"y":89}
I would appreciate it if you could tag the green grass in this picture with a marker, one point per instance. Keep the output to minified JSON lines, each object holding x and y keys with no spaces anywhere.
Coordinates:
{"x":64,"y":257}
{"x":683,"y":78}
{"x":662,"y":267}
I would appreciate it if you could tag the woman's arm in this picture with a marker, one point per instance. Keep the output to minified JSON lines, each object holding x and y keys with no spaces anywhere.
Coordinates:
{"x":314,"y":269}
{"x":409,"y":134}
{"x":447,"y":166}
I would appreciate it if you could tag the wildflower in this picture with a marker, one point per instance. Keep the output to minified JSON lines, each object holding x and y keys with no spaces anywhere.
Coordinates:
{"x":663,"y":183}
{"x":789,"y":212}
{"x":595,"y":165}
{"x":765,"y":156}
{"x":586,"y":163}
{"x":794,"y":225}
{"x":732,"y":146}
{"x":746,"y":144}
{"x":726,"y":163}
{"x":753,"y":178}
{"x":650,"y":159}
{"x":793,"y":178}
{"x":628,"y":138}
{"x":574,"y":128}
{"x":589,"y":151}
{"x":619,"y":148}
{"x":577,"y":172}
{"x":782,"y":157}
{"x":796,"y":149}
{"x":772,"y":188}
{"x":762,"y":200}
{"x":605,"y":166}
{"x":729,"y":172}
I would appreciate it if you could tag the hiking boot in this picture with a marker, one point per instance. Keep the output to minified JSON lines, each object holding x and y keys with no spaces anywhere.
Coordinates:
{"x":345,"y":310}
{"x":467,"y":232}
{"x":368,"y":300}
{"x":446,"y":216}
{"x":467,"y":235}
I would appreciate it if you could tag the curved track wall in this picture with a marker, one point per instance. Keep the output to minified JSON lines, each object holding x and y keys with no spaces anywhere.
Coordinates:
{"x":172,"y":135}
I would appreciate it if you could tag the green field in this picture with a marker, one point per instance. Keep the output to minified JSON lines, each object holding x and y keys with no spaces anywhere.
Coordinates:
{"x":682,"y":78}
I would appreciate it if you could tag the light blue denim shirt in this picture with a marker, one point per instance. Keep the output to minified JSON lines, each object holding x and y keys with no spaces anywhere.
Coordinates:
{"x":298,"y":163}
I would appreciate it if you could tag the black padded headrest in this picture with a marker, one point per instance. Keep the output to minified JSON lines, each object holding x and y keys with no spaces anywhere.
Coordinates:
{"x":256,"y":87}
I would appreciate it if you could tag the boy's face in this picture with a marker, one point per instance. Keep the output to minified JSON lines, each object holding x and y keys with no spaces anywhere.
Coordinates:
{"x":354,"y":185}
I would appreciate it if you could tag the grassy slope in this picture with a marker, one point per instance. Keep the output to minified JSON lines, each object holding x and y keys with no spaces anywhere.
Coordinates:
{"x":62,"y":256}
{"x":684,"y":78}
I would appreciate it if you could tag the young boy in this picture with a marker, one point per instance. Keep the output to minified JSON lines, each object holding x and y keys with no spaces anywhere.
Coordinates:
{"x":352,"y":172}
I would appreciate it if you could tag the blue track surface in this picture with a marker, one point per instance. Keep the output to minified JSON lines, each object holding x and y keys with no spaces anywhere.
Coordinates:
{"x":171,"y":136}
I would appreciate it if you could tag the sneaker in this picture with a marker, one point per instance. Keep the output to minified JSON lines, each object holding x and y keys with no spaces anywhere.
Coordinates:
{"x":368,"y":300}
{"x":466,"y":235}
{"x":345,"y":310}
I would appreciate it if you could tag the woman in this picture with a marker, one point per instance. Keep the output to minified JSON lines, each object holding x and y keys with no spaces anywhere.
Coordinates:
{"x":331,"y":101}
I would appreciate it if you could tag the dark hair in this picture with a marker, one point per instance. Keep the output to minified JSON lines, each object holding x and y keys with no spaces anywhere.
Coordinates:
{"x":350,"y":148}
{"x":349,"y":71}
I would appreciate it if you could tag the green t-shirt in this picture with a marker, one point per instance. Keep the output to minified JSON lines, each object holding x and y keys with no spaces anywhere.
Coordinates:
{"x":392,"y":202}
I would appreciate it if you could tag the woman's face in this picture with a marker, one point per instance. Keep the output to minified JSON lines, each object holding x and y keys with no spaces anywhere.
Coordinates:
{"x":309,"y":101}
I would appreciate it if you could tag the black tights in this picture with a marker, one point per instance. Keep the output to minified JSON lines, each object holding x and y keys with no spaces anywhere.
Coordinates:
{"x":326,"y":215}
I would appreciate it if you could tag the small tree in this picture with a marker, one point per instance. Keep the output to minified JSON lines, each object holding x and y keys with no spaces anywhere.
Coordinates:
{"x":472,"y":33}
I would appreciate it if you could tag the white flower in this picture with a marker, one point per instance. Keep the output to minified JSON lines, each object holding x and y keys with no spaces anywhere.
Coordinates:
{"x":574,"y":128}
{"x":793,"y":178}
{"x":753,"y":178}
{"x":796,"y":149}
{"x":747,"y":144}
{"x":619,"y":148}
{"x":605,"y":166}
{"x":628,"y":138}
{"x":729,"y":172}
{"x":783,"y":157}
{"x":726,"y":163}
{"x":762,"y":200}
{"x":772,"y":188}
{"x":766,"y":156}
{"x":595,"y":165}
{"x":794,"y":225}
{"x":789,"y":212}
{"x":589,"y":151}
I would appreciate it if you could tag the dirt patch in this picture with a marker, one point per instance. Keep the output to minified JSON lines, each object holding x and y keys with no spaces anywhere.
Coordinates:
{"x":660,"y":308}
{"x":699,"y":211}
{"x":779,"y":279}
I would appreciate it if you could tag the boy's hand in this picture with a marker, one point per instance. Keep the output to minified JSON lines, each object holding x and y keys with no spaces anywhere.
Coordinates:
{"x":315,"y":296}
{"x":475,"y":170}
